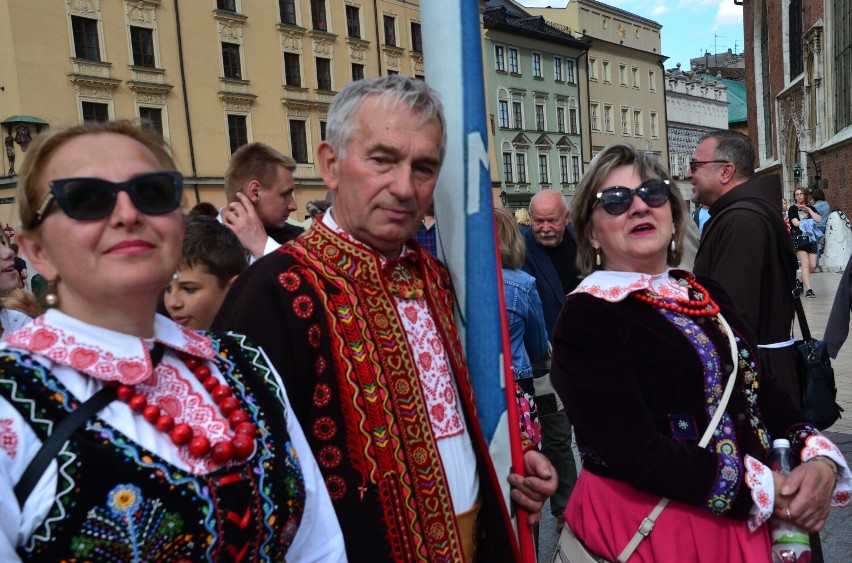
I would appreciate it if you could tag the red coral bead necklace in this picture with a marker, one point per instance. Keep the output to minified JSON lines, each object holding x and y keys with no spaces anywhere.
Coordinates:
{"x":240,"y":446}
{"x":704,"y":307}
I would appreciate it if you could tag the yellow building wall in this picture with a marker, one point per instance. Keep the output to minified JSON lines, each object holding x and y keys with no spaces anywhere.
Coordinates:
{"x":41,"y":78}
{"x":619,"y":38}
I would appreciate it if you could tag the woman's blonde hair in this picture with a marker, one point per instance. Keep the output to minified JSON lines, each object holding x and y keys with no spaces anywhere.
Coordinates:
{"x":23,"y":300}
{"x":647,"y":167}
{"x":31,"y":191}
{"x":512,"y":247}
{"x":522,"y":216}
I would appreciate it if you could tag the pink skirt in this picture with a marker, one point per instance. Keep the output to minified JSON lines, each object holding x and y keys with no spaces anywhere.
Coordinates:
{"x":605,"y":514}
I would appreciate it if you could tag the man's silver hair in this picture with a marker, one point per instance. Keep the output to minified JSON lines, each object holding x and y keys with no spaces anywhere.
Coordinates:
{"x":565,"y":207}
{"x":391,"y":90}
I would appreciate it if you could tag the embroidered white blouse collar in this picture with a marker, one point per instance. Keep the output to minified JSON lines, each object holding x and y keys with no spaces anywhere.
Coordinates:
{"x":616,"y":286}
{"x":102,"y":353}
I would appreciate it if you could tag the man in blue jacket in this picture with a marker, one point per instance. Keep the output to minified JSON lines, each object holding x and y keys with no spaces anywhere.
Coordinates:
{"x":551,"y":258}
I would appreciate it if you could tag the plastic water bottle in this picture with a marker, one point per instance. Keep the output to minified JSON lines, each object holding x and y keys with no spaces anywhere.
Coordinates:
{"x":790,"y":544}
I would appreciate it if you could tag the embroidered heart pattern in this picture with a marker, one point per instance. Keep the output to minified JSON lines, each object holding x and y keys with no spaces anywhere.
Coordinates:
{"x":425,"y":361}
{"x":131,"y":372}
{"x":449,"y":395}
{"x":411,"y":314}
{"x":395,"y":362}
{"x":42,"y":340}
{"x":438,"y":411}
{"x":170,"y":405}
{"x":82,"y":358}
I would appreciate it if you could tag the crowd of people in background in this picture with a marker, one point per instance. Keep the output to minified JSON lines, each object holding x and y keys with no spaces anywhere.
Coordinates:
{"x":229,"y":384}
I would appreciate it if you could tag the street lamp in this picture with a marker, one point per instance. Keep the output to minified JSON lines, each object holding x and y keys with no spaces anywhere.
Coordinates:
{"x":797,"y":171}
{"x":816,"y":167}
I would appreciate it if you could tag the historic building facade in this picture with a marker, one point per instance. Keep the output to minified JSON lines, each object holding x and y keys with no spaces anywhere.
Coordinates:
{"x":533,"y":76}
{"x":210,"y":75}
{"x":624,"y":92}
{"x":800,"y":94}
{"x":696,"y":103}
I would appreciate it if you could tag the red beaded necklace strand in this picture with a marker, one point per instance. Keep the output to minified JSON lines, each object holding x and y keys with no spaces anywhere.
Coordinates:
{"x":704,"y":307}
{"x":240,"y":446}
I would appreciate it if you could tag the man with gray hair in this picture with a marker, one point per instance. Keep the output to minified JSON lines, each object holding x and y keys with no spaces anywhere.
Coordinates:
{"x":551,"y":258}
{"x":359,"y":323}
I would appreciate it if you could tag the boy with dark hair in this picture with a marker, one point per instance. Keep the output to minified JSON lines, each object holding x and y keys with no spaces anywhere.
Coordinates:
{"x":212,"y":260}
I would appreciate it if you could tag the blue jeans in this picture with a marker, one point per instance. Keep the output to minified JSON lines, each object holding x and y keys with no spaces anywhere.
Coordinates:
{"x":556,"y":442}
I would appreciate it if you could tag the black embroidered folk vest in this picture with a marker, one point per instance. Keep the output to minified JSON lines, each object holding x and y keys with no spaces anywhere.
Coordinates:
{"x":116,"y":501}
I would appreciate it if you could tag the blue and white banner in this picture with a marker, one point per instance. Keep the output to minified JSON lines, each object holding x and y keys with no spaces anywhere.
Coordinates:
{"x":452,"y":41}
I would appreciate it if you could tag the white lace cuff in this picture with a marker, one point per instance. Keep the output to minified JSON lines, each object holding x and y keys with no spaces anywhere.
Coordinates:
{"x":819,"y":445}
{"x":759,"y":479}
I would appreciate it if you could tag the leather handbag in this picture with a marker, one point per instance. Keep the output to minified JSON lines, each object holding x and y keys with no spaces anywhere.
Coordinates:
{"x":571,"y":550}
{"x":816,"y":376}
{"x":802,"y":241}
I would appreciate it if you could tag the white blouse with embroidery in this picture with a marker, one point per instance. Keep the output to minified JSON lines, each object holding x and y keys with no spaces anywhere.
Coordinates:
{"x":82,"y":357}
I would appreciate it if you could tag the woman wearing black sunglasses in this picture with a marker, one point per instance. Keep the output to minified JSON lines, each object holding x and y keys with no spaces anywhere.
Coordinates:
{"x":642,"y":357}
{"x":125,"y":436}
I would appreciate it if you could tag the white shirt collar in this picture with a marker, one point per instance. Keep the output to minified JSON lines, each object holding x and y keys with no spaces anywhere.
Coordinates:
{"x":616,"y":286}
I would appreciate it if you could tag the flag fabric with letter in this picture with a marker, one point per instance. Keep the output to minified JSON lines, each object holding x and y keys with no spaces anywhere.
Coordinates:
{"x":465,"y":222}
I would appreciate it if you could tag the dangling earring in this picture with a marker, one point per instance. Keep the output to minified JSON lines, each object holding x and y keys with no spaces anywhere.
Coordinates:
{"x":598,"y":256}
{"x":674,"y":244}
{"x":51,"y":298}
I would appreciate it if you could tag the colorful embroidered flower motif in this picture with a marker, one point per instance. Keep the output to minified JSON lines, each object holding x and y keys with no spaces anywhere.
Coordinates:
{"x":336,"y":487}
{"x":303,"y":306}
{"x":720,"y":504}
{"x":314,"y":334}
{"x":683,"y":426}
{"x":403,"y":283}
{"x":726,"y":447}
{"x":125,"y":499}
{"x":320,"y":365}
{"x":290,"y":281}
{"x":729,"y":473}
{"x":322,"y":395}
{"x":131,"y":529}
{"x":330,"y":457}
{"x":324,"y":428}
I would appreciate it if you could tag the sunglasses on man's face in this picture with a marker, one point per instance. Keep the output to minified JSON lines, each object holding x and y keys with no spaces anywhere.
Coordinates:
{"x":89,"y":199}
{"x":618,"y":199}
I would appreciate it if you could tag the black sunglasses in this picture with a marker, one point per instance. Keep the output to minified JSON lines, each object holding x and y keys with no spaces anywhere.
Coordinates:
{"x":696,"y":164}
{"x":89,"y":199}
{"x":618,"y":199}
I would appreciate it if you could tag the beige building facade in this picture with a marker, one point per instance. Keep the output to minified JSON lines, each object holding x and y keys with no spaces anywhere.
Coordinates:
{"x":625,"y":91}
{"x":210,"y":75}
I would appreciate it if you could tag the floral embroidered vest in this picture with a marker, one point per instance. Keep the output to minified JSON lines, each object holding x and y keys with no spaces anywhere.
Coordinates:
{"x":116,"y":501}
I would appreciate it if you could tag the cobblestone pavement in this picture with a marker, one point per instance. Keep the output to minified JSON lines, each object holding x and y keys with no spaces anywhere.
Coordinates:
{"x":837,"y":535}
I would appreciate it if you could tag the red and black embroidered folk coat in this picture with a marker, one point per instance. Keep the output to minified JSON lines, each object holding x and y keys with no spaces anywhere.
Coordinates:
{"x":322,"y":311}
